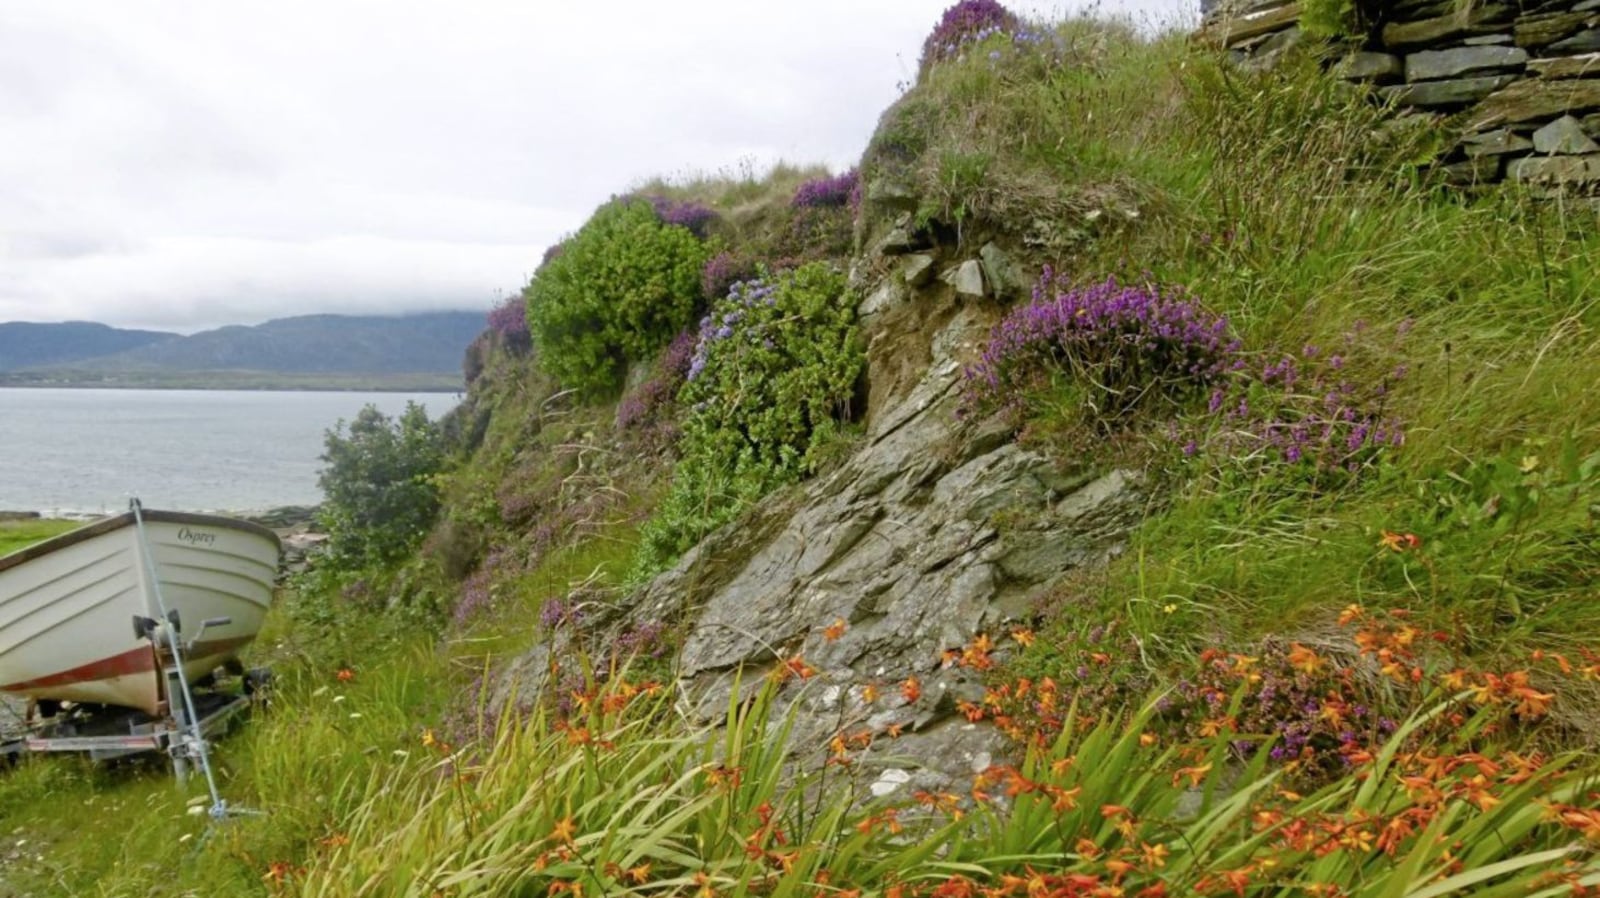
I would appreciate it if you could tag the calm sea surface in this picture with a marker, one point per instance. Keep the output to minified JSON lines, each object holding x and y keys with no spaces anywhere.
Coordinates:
{"x":87,"y":451}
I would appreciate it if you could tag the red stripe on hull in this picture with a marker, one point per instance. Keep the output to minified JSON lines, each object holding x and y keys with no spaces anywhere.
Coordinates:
{"x":133,"y":661}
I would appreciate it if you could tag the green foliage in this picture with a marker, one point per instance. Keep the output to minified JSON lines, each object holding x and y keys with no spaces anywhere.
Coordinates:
{"x":378,"y":483}
{"x":622,"y":287}
{"x":1329,"y":18}
{"x":17,"y":535}
{"x":773,"y":376}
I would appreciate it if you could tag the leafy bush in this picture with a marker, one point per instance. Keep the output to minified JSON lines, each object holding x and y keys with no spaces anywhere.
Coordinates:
{"x":967,"y":22}
{"x":619,"y":290}
{"x":773,"y":372}
{"x":1330,"y":18}
{"x":378,"y":485}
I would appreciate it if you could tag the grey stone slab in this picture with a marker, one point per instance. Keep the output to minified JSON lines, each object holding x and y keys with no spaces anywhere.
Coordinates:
{"x":1573,"y":170}
{"x":1454,"y":92}
{"x":1534,"y":100}
{"x":1380,"y":68}
{"x":1544,"y":29}
{"x":1479,"y":170}
{"x":1484,"y":18}
{"x":1486,"y":39}
{"x":1585,"y":41}
{"x":967,"y":279}
{"x":1557,"y":68}
{"x":1433,"y":65}
{"x":1496,"y":143}
{"x":917,"y":269}
{"x":1564,"y":137}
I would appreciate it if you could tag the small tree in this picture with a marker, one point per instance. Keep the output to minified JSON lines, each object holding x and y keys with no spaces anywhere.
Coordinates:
{"x":379,"y":491}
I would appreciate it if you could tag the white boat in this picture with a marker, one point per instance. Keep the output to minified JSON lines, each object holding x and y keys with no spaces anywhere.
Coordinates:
{"x":77,"y":611}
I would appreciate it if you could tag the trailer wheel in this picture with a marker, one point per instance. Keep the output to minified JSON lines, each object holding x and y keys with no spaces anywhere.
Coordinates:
{"x":257,"y":682}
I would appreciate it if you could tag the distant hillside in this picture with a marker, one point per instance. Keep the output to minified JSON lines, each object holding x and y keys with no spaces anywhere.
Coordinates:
{"x":26,"y":344}
{"x":431,"y":342}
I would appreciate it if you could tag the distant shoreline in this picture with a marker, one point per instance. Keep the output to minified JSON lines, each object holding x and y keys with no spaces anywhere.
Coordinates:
{"x":239,"y":380}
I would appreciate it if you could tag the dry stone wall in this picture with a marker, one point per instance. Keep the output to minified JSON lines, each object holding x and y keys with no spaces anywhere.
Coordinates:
{"x":1516,"y":83}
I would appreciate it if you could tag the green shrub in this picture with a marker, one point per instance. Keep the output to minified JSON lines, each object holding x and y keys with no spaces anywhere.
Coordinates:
{"x":773,"y":374}
{"x":378,"y":483}
{"x":623,"y":285}
{"x":1330,"y":18}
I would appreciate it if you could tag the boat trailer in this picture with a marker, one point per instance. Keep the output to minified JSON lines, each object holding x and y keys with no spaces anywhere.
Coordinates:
{"x":111,"y":733}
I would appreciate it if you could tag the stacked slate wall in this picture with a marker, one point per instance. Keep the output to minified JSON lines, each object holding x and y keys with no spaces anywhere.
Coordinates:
{"x":1517,"y":84}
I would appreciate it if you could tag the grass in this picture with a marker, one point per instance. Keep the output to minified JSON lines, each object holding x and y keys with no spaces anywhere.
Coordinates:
{"x":17,"y":535}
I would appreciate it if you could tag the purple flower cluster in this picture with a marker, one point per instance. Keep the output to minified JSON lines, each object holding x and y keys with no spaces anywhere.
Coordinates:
{"x":647,"y":640}
{"x":1327,"y":410}
{"x":831,"y":192}
{"x":722,"y":271}
{"x":509,"y":319}
{"x":1125,"y":345}
{"x":967,"y":22}
{"x":647,"y":410}
{"x":477,"y":591}
{"x":558,"y":612}
{"x":724,"y":318}
{"x":696,"y":217}
{"x":1313,"y":716}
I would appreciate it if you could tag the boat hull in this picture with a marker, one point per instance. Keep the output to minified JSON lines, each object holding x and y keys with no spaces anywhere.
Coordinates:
{"x":67,"y":605}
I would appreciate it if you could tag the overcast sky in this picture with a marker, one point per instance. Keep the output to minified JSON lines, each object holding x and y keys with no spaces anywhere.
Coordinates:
{"x":182,"y":164}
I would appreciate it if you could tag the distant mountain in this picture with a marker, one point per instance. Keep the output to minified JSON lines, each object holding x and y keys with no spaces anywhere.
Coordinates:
{"x":431,"y":342}
{"x":402,"y":352}
{"x":25,"y":344}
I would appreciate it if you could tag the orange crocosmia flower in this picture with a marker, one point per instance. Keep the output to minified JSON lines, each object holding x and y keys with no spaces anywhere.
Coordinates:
{"x":869,"y":694}
{"x":911,"y":690}
{"x":1193,"y":774}
{"x":1304,"y":659}
{"x":1350,"y":614}
{"x":1087,"y":849}
{"x":345,"y":675}
{"x":563,"y":830}
{"x":1396,"y":542}
{"x":1154,"y":855}
{"x":640,"y":874}
{"x":1118,"y":867}
{"x":835,"y":630}
{"x":1023,"y":636}
{"x":797,"y":667}
{"x":1063,"y":799}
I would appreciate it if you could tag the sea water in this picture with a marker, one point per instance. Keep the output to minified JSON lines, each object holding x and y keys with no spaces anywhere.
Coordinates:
{"x":83,"y":452}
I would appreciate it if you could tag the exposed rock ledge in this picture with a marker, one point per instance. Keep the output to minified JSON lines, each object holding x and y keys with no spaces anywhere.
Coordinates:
{"x":933,"y":532}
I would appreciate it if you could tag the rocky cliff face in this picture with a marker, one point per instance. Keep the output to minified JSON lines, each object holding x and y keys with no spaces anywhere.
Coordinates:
{"x":1516,"y":85}
{"x":934,"y":532}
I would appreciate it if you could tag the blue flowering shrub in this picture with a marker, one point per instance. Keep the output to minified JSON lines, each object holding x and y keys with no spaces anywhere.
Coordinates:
{"x":618,"y":291}
{"x":769,"y":384}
